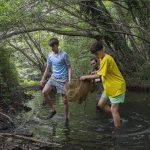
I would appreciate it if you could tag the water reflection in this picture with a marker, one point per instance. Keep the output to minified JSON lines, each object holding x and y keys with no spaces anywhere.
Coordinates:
{"x":90,"y":129}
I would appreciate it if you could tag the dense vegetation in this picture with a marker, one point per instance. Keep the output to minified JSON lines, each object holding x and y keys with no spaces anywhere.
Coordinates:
{"x":8,"y":75}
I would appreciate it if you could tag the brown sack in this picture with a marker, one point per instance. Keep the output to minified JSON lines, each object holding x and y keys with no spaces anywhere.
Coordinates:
{"x":78,"y":91}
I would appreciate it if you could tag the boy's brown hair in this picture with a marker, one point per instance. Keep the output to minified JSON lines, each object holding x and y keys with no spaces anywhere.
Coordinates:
{"x":97,"y":46}
{"x":53,"y":41}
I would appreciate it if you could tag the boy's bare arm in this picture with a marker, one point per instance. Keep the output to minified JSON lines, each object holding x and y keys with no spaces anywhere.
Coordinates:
{"x":46,"y":72}
{"x":69,"y":72}
{"x":94,"y":72}
{"x":90,"y":77}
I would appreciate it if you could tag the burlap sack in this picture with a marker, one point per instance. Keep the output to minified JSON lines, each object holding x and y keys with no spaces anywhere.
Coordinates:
{"x":78,"y":90}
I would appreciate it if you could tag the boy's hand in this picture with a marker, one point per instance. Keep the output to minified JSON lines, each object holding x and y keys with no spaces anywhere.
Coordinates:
{"x":42,"y":83}
{"x":94,"y":72}
{"x":83,"y":78}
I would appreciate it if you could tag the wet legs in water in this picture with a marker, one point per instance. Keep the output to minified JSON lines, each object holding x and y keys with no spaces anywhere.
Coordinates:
{"x":113,"y":110}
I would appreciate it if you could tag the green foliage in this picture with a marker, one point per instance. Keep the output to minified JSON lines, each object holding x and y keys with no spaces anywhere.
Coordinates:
{"x":78,"y":50}
{"x":28,"y":83}
{"x":7,"y":67}
{"x":8,"y":74}
{"x":7,"y":15}
{"x":122,"y":25}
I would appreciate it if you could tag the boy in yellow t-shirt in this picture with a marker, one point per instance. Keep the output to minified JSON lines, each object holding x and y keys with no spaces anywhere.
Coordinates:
{"x":113,"y":82}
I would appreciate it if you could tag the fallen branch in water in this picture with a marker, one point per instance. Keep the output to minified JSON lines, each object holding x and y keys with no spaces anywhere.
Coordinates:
{"x":7,"y":117}
{"x":30,"y":139}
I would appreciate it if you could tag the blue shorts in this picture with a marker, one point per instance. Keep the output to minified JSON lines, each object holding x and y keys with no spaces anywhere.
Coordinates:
{"x":114,"y":100}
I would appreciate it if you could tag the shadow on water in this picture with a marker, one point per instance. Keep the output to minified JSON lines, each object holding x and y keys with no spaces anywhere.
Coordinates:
{"x":88,"y":128}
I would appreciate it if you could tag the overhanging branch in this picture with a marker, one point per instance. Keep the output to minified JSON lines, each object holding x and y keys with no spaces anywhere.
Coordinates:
{"x":69,"y":33}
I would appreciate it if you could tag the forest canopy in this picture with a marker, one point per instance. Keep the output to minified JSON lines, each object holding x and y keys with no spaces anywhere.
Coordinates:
{"x":123,"y":26}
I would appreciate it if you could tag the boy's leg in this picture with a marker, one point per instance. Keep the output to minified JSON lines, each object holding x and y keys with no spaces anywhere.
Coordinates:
{"x":59,"y":84}
{"x":66,"y":106}
{"x":103,"y":103}
{"x":47,"y":88}
{"x":116,"y":115}
{"x":115,"y":108}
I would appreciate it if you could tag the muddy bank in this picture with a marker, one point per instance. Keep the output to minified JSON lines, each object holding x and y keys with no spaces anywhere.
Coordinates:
{"x":138,"y":88}
{"x":10,"y":139}
{"x":138,"y":85}
{"x":8,"y":110}
{"x":14,"y":141}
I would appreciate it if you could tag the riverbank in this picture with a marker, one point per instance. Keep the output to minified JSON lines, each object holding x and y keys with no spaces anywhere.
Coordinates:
{"x":138,"y":85}
{"x":8,"y":110}
{"x":13,"y":138}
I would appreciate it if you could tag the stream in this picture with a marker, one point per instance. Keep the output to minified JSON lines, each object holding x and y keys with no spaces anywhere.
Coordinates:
{"x":89,"y":128}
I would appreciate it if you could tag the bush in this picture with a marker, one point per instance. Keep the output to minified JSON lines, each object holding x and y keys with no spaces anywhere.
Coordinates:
{"x":26,"y":82}
{"x":8,"y":74}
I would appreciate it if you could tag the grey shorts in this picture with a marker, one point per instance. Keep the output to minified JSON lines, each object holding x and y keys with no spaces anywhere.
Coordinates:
{"x":57,"y":84}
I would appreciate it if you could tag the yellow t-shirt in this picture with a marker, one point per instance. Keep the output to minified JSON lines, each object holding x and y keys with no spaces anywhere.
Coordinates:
{"x":112,"y":79}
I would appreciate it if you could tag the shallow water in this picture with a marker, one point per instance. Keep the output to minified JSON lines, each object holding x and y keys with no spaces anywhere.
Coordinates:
{"x":88,"y":128}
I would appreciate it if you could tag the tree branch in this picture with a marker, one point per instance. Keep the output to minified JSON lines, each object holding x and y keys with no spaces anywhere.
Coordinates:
{"x":30,"y":139}
{"x":7,"y":117}
{"x":69,"y":33}
{"x":126,"y":33}
{"x":22,"y":51}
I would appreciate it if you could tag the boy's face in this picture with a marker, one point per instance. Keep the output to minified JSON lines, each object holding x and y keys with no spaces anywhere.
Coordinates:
{"x":93,"y":63}
{"x":99,"y":54}
{"x":54,"y":48}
